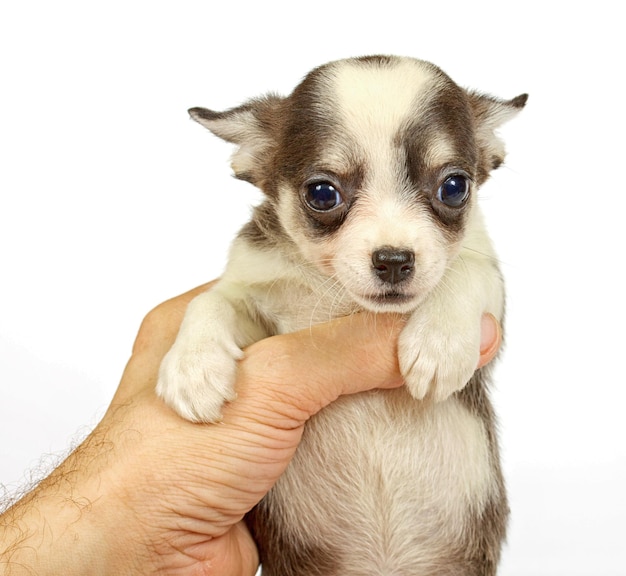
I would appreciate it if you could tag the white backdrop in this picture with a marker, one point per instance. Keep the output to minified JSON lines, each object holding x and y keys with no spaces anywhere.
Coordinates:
{"x":112,"y":200}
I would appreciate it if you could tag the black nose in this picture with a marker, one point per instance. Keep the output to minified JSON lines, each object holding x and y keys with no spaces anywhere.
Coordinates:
{"x":393,"y":265}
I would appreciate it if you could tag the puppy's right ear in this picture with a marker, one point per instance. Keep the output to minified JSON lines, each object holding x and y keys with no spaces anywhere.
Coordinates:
{"x":253,"y":127}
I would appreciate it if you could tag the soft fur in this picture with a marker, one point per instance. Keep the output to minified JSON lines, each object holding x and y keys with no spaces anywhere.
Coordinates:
{"x":388,"y":482}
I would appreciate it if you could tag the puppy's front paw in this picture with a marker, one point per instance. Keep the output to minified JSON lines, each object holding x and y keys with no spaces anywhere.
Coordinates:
{"x":196,"y":378}
{"x":437,"y":358}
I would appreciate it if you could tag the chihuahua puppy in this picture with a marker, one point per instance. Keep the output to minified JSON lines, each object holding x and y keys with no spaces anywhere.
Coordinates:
{"x":370,"y":171}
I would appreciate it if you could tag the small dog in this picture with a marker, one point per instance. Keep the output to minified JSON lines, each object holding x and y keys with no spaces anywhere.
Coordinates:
{"x":370,"y":170}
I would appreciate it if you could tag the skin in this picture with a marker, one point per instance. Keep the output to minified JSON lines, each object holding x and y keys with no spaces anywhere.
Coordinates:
{"x":150,"y":493}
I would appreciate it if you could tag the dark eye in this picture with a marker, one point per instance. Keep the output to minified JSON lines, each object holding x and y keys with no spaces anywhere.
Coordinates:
{"x":323,"y":196}
{"x":454,"y":191}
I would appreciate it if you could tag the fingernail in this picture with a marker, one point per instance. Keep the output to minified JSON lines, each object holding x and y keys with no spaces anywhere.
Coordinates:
{"x":488,"y":333}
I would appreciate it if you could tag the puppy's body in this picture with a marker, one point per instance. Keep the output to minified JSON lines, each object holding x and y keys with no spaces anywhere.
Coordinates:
{"x":370,"y":170}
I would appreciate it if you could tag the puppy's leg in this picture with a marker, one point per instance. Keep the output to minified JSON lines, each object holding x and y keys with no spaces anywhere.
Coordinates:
{"x":440,"y":345}
{"x":197,"y":375}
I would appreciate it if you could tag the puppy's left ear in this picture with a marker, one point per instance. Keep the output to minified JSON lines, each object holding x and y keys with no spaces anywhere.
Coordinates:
{"x":252,"y":127}
{"x":489,"y":114}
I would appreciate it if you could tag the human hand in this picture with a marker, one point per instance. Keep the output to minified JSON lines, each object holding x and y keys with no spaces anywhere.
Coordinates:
{"x":150,"y":493}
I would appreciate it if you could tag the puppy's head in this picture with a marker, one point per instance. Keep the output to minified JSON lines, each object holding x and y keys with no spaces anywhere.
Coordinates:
{"x":371,"y":166}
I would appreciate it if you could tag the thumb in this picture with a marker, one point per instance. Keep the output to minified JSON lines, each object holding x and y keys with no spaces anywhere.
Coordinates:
{"x":295,"y":375}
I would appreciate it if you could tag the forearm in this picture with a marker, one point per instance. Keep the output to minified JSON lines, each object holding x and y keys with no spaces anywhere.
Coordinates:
{"x":63,"y":526}
{"x":40,"y":534}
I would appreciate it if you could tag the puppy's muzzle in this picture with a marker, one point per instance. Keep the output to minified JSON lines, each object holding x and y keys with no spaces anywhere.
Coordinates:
{"x":393,"y":265}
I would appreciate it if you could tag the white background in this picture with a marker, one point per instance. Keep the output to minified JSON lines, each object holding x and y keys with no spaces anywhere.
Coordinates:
{"x":112,"y":200}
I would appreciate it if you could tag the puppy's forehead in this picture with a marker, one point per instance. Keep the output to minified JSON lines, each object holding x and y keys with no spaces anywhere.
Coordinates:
{"x":381,"y":96}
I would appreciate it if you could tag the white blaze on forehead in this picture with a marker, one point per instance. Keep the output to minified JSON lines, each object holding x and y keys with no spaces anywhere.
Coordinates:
{"x":376,"y":100}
